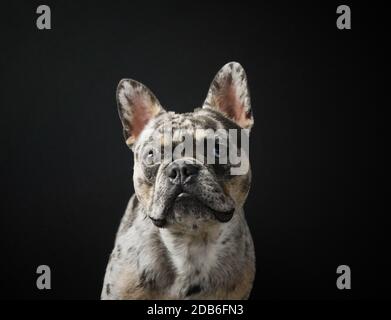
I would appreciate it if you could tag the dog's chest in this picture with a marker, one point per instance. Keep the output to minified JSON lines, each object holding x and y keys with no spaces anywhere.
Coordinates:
{"x":194,"y":259}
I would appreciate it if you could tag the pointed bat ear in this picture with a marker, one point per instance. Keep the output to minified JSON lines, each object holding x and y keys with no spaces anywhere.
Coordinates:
{"x":229,"y":94}
{"x":137,"y":105}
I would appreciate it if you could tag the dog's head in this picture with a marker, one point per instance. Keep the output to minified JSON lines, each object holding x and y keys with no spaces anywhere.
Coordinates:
{"x":190,"y":170}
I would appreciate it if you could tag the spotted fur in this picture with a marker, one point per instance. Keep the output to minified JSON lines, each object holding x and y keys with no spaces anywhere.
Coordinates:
{"x":198,"y":247}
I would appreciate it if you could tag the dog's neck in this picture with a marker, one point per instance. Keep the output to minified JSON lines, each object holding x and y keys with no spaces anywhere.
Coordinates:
{"x":196,"y":252}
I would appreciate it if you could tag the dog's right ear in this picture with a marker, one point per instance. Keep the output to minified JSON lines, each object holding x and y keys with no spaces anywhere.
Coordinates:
{"x":137,"y":105}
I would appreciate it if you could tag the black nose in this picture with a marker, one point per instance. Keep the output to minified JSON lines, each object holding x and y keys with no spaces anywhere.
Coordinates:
{"x":181,"y":172}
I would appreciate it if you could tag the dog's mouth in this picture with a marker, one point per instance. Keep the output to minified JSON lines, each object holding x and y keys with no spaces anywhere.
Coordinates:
{"x":187,"y":202}
{"x":222,"y":216}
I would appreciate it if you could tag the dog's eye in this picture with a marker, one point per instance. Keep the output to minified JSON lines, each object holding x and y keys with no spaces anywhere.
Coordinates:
{"x":220,"y":150}
{"x":216,"y":150}
{"x":151,"y":157}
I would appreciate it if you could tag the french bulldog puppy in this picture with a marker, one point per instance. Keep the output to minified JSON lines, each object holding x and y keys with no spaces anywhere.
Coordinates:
{"x":184,"y":233}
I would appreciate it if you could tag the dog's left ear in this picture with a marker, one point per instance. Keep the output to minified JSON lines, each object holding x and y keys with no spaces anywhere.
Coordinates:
{"x":229,"y":94}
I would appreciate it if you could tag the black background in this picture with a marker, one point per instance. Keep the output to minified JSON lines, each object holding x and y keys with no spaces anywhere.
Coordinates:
{"x":317,"y":199}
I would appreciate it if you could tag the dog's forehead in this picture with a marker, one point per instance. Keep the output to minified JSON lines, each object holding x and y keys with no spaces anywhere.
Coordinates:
{"x":178,"y":124}
{"x":186,"y":121}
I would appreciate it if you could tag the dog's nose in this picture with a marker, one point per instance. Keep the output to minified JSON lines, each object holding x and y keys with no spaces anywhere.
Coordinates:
{"x":181,"y":172}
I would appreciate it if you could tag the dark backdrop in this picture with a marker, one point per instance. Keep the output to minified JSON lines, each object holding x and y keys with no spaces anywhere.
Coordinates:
{"x":66,"y":174}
